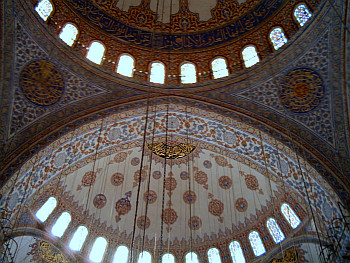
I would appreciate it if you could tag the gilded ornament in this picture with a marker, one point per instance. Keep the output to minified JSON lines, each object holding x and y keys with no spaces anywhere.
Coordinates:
{"x":170,"y":151}
{"x":291,"y":256}
{"x":49,"y":254}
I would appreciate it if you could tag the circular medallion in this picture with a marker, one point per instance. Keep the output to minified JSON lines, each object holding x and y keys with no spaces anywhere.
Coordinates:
{"x":189,"y":197}
{"x":184,"y":175}
{"x":226,"y":13}
{"x":169,"y":216}
{"x":170,"y":183}
{"x":114,"y":134}
{"x":143,"y":222}
{"x":123,"y":206}
{"x":150,"y":196}
{"x":207,"y":164}
{"x":216,"y":207}
{"x":41,"y":83}
{"x":88,"y":178}
{"x":117,"y":179}
{"x":135,"y":161}
{"x":120,"y":157}
{"x":225,"y":182}
{"x":100,"y":201}
{"x":201,"y":177}
{"x":195,"y":223}
{"x":241,"y":204}
{"x":301,"y":90}
{"x":251,"y":182}
{"x":60,"y":159}
{"x":157,"y":175}
{"x":221,"y":161}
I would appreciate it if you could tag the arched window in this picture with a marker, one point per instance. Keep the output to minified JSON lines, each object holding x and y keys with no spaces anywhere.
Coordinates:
{"x":96,"y":52}
{"x":278,"y":38}
{"x":214,"y":255}
{"x":275,"y":230}
{"x":250,"y":56}
{"x":44,"y":9}
{"x":236,"y":252}
{"x":98,"y":250}
{"x":69,"y":34}
{"x":168,"y":258}
{"x":188,"y":73}
{"x":290,"y":216}
{"x":61,"y":224}
{"x":256,"y":243}
{"x":144,"y":257}
{"x":126,"y":65}
{"x":191,"y":257}
{"x":44,"y":212}
{"x":121,"y":255}
{"x":78,"y":238}
{"x":302,"y":14}
{"x":219,"y":68}
{"x":157,"y":73}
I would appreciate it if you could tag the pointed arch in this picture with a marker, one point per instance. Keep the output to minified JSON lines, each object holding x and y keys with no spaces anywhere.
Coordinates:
{"x":188,"y":73}
{"x":250,"y":56}
{"x":126,"y":65}
{"x":275,"y":230}
{"x":236,"y":252}
{"x":44,"y":8}
{"x":214,"y":255}
{"x":302,"y":14}
{"x":256,"y":243}
{"x":46,"y":209}
{"x":191,"y":257}
{"x":277,"y":37}
{"x":78,"y":238}
{"x":61,"y":224}
{"x":121,"y":255}
{"x":96,"y":52}
{"x":219,"y":68}
{"x":168,"y":258}
{"x":157,"y":72}
{"x":290,"y":216}
{"x":98,"y":250}
{"x":69,"y":34}
{"x":145,"y":257}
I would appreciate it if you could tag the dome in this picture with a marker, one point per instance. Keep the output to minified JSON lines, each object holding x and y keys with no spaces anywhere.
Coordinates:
{"x":174,"y":131}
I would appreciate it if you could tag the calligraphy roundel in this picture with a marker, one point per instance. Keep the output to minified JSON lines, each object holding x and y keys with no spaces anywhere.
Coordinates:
{"x":301,"y":90}
{"x":41,"y":83}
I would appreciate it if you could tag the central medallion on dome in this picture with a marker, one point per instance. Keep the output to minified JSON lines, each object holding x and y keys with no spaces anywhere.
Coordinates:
{"x":171,"y":151}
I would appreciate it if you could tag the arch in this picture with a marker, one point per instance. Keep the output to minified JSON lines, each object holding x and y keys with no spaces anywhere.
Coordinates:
{"x":214,"y":255}
{"x":191,"y":257}
{"x":236,"y":252}
{"x":168,"y":258}
{"x":145,"y":257}
{"x":157,"y":72}
{"x":78,"y":238}
{"x":61,"y":224}
{"x":69,"y":34}
{"x":46,"y":209}
{"x":98,"y":250}
{"x":96,"y":52}
{"x":219,"y":68}
{"x":302,"y":14}
{"x":121,"y":255}
{"x":188,"y":73}
{"x":256,"y":243}
{"x":126,"y":64}
{"x":275,"y":230}
{"x":44,"y":9}
{"x":290,"y":216}
{"x":250,"y":56}
{"x":277,"y":37}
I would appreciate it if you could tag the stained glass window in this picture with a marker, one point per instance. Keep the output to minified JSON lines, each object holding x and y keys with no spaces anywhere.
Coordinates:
{"x":219,"y":68}
{"x":168,"y":258}
{"x":157,"y":73}
{"x":126,"y":65}
{"x":61,"y":224}
{"x":256,"y":243}
{"x":98,"y":250}
{"x":69,"y":34}
{"x":302,"y":14}
{"x":214,"y":255}
{"x":78,"y":238}
{"x":236,"y":252}
{"x":188,"y":73}
{"x":44,"y":9}
{"x":44,"y":212}
{"x":250,"y":56}
{"x":290,"y":216}
{"x":278,"y":38}
{"x":275,"y":230}
{"x":144,"y":257}
{"x":96,"y":52}
{"x":191,"y":257}
{"x":121,"y":255}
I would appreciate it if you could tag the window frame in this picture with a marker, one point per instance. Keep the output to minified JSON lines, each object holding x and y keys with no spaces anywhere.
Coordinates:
{"x":150,"y":68}
{"x":257,"y":54}
{"x":270,"y":40}
{"x":76,"y":37}
{"x":295,"y":19}
{"x":51,"y":14}
{"x":133,"y":68}
{"x":211,"y":67}
{"x":88,"y":50}
{"x":195,"y":68}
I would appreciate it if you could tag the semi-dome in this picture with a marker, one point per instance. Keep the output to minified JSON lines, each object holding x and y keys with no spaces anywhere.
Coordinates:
{"x":174,"y":131}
